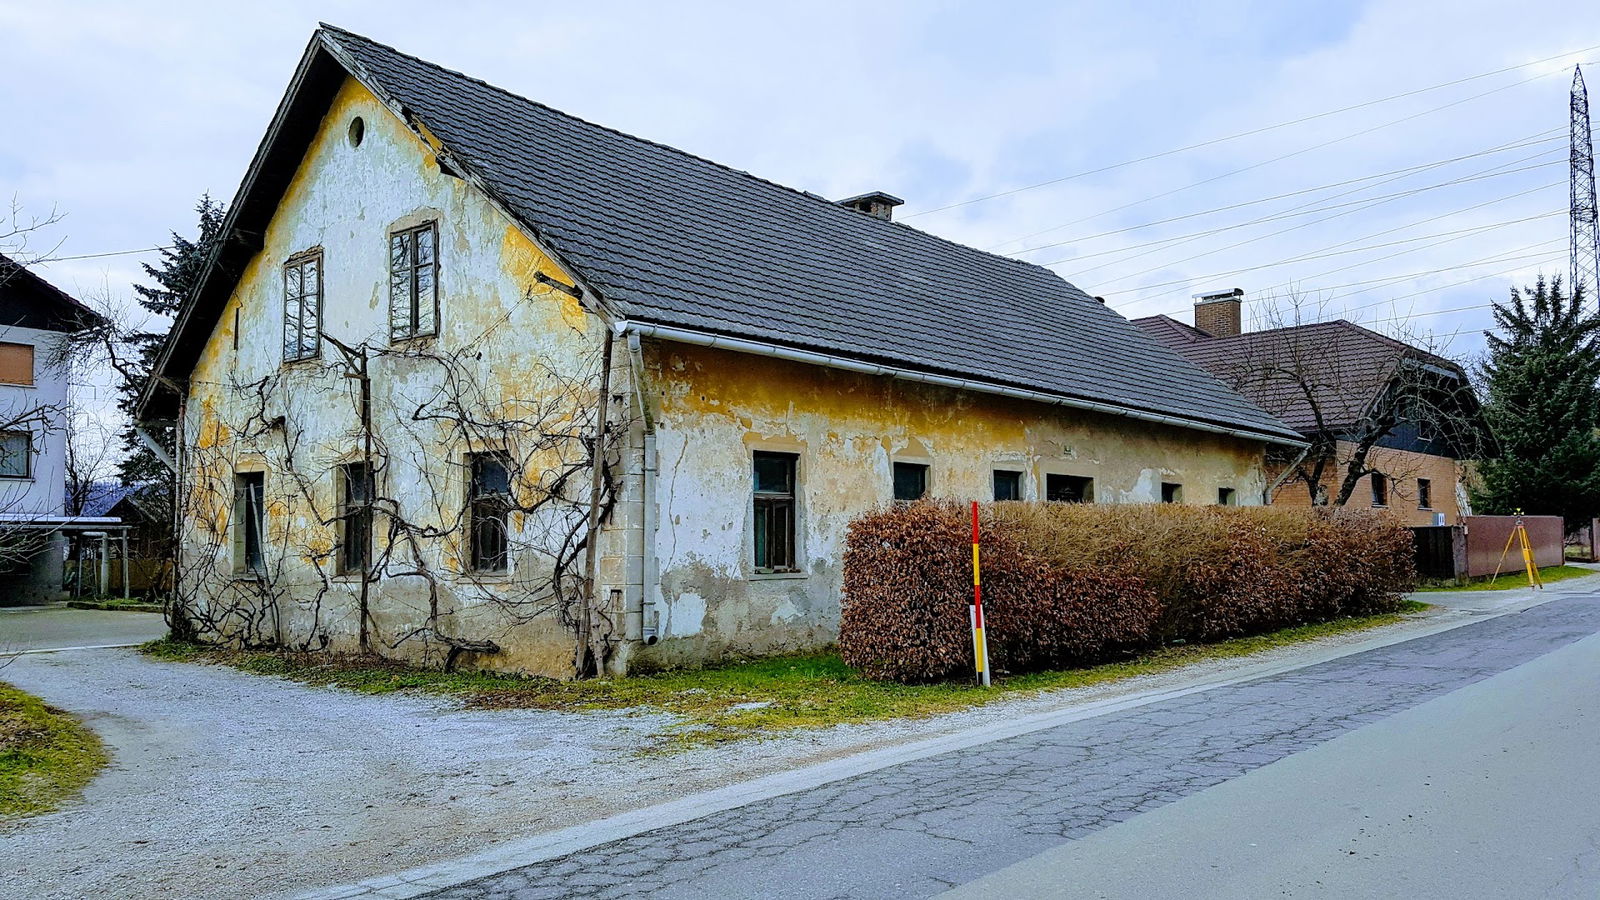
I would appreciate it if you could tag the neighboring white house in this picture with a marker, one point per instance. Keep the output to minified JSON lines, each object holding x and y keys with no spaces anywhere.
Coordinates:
{"x":35,"y":319}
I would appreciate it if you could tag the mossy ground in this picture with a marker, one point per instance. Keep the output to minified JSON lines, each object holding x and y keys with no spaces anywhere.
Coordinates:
{"x":743,"y":699}
{"x":46,"y":756}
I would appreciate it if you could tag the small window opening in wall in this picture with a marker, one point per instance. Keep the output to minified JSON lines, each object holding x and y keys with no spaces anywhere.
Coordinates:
{"x":489,"y":508}
{"x":1068,"y":488}
{"x":910,"y":481}
{"x":249,"y":521}
{"x":1171,"y":493}
{"x":774,"y":511}
{"x":1007,"y":485}
{"x":1225,"y":497}
{"x":1380,"y":489}
{"x":236,"y":328}
{"x":355,"y":518}
{"x":1424,"y":493}
{"x":358,"y":131}
{"x":16,"y":454}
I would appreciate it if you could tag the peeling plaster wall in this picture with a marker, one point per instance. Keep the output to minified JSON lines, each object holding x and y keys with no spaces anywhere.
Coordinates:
{"x":345,"y":200}
{"x":714,"y":407}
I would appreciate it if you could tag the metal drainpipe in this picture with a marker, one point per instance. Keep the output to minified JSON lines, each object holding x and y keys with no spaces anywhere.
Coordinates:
{"x":649,"y":615}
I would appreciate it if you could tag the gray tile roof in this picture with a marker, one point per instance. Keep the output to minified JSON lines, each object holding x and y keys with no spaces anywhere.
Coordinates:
{"x":668,"y":238}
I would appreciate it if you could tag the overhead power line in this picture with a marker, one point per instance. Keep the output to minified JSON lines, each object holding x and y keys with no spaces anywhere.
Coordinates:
{"x":1255,"y":131}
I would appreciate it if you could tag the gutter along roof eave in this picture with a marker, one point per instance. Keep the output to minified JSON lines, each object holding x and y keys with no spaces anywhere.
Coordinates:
{"x":832,"y":361}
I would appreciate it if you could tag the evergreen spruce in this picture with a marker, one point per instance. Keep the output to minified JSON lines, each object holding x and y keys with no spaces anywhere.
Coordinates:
{"x":1542,"y":380}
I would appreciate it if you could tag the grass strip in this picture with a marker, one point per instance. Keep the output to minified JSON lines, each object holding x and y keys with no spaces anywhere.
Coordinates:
{"x":744,"y":699}
{"x":46,"y":755}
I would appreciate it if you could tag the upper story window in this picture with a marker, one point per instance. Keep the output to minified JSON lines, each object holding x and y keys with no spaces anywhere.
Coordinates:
{"x":16,"y":454}
{"x":302,"y":307}
{"x":414,"y":282}
{"x":16,"y":363}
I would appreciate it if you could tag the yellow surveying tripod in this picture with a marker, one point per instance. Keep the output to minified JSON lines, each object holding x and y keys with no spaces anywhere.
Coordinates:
{"x":1519,"y":534}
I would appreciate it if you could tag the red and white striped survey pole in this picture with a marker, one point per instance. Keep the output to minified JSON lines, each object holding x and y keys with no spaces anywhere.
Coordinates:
{"x":980,"y":643}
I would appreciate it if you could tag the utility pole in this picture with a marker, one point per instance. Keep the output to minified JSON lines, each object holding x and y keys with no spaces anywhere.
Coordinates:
{"x":1585,"y":232}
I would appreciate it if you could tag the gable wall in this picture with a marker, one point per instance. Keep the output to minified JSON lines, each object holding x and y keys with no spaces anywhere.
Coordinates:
{"x":507,"y":346}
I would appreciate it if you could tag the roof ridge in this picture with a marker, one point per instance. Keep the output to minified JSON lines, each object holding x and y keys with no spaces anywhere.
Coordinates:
{"x":324,"y":26}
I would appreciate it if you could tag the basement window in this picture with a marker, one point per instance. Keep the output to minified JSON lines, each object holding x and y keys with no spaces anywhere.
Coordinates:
{"x":910,"y":481}
{"x":1007,"y":485}
{"x":489,"y":509}
{"x":1226,"y":497}
{"x":1424,"y":493}
{"x":414,"y":282}
{"x":249,"y":521}
{"x":1068,"y":488}
{"x":16,"y":454}
{"x":302,"y":307}
{"x":1171,"y":493}
{"x":774,"y":519}
{"x":1380,"y":489}
{"x":355,"y":519}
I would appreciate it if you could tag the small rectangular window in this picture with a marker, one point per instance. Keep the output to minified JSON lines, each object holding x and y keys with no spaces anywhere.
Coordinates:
{"x":1068,"y":488}
{"x":1225,"y":497}
{"x":489,"y":508}
{"x":1007,"y":485}
{"x":910,"y":481}
{"x":302,"y":307}
{"x":1380,"y":489}
{"x":414,"y":282}
{"x":249,"y":521}
{"x":774,"y":519}
{"x":16,"y":363}
{"x":16,"y":454}
{"x":1424,"y":493}
{"x":355,"y":518}
{"x":1171,"y":493}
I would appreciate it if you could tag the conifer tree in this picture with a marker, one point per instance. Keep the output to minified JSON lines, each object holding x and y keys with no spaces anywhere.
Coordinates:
{"x":1542,"y":380}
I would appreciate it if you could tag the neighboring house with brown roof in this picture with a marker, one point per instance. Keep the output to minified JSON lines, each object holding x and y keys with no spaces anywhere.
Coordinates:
{"x":1389,"y":424}
{"x":432,"y":300}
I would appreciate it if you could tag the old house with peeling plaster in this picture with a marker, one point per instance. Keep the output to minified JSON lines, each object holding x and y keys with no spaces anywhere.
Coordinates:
{"x":431,"y":295}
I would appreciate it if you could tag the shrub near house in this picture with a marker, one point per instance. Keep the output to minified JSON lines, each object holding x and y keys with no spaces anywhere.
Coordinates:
{"x":1073,"y":584}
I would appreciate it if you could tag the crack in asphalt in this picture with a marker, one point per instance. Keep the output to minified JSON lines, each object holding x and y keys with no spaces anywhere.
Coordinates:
{"x":915,"y":829}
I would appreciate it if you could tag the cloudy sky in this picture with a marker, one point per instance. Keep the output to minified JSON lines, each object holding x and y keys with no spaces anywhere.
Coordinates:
{"x":1044,"y":130}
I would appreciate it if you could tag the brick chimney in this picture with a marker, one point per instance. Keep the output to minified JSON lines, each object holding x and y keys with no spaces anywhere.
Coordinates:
{"x":1220,"y":313}
{"x":876,"y":204}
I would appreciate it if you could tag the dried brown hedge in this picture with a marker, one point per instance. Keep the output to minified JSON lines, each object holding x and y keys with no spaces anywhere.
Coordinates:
{"x":1069,"y":584}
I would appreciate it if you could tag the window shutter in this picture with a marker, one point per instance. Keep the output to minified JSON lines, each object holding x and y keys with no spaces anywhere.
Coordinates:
{"x":16,"y":363}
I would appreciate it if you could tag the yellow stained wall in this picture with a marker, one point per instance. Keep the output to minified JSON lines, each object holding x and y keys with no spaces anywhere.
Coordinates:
{"x":714,"y":407}
{"x":248,"y":410}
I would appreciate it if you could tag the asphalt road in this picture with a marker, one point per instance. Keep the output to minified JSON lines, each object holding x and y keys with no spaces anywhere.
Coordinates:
{"x":1461,"y":764}
{"x":55,"y":627}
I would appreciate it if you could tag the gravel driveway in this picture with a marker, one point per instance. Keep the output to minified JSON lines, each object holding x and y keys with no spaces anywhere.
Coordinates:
{"x":225,"y":785}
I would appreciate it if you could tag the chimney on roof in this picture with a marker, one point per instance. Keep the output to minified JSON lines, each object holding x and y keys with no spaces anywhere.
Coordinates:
{"x":1220,"y":313}
{"x":876,"y":204}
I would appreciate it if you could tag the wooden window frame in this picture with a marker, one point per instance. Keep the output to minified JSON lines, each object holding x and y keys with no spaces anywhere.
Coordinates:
{"x":249,"y":521}
{"x":489,"y":517}
{"x":778,"y":512}
{"x":296,"y":313}
{"x":406,"y":300}
{"x":27,"y":455}
{"x":355,"y":518}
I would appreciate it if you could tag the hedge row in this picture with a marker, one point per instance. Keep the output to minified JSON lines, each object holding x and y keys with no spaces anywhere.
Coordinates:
{"x":1073,"y":584}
